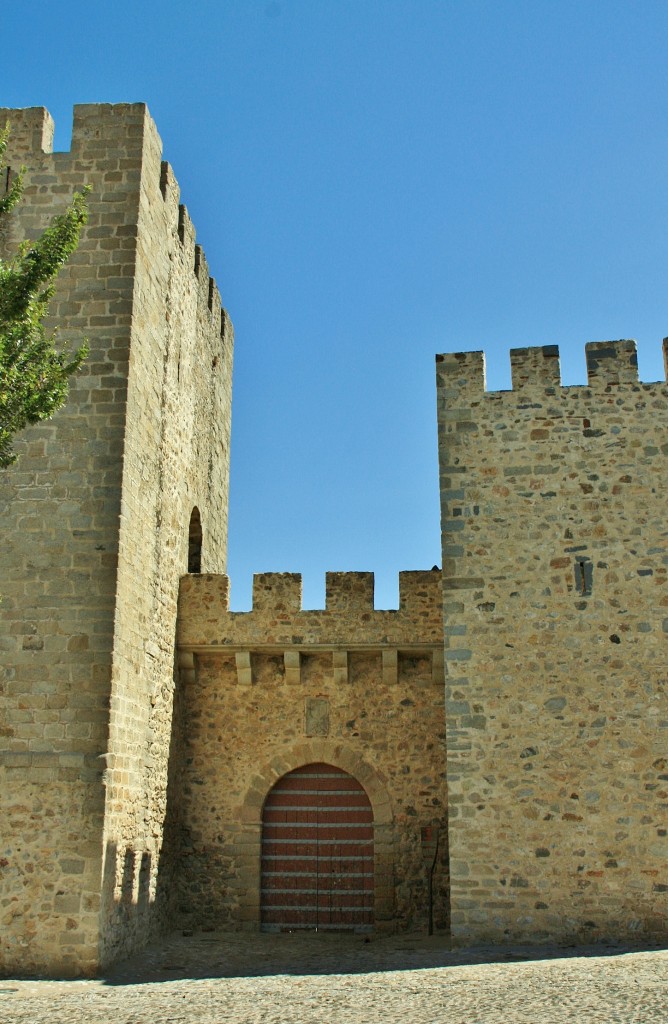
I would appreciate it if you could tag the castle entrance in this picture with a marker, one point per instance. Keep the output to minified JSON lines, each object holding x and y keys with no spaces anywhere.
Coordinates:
{"x":317,"y":853}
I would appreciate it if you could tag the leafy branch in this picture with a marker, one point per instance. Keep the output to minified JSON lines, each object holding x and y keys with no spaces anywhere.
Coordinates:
{"x":34,"y":374}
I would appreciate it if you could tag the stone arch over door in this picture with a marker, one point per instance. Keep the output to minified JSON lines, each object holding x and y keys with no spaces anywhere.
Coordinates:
{"x":249,"y":838}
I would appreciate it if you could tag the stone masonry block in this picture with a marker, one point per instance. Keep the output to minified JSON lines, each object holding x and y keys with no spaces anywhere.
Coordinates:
{"x":349,"y":592}
{"x":611,"y":362}
{"x":277,"y":591}
{"x":419,"y":591}
{"x":461,"y":377}
{"x":535,"y":367}
{"x":31,"y":132}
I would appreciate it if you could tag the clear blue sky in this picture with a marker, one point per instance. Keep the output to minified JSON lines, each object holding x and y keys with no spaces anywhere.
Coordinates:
{"x":374,"y":182}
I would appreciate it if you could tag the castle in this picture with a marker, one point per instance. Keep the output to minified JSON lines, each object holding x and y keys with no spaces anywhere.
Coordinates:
{"x":491,"y":758}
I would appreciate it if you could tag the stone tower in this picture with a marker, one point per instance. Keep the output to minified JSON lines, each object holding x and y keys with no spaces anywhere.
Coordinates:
{"x":555,"y":574}
{"x":109,"y":504}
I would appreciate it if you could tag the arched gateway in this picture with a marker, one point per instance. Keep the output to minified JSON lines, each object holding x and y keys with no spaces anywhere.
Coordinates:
{"x":317,"y":852}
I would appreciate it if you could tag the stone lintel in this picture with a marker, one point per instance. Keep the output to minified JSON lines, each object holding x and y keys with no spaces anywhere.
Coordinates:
{"x":304,"y":647}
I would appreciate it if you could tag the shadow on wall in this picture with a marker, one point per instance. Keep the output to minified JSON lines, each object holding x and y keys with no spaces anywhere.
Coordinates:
{"x":166,"y":898}
{"x":195,"y":542}
{"x":142,"y":903}
{"x":128,"y":920}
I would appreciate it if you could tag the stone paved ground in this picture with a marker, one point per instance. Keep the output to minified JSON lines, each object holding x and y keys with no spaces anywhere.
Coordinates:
{"x":324,"y":979}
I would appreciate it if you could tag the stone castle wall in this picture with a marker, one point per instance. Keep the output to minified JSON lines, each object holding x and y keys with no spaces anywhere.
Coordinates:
{"x":95,"y":525}
{"x":555,"y":561}
{"x":142,"y":724}
{"x":270,"y":690}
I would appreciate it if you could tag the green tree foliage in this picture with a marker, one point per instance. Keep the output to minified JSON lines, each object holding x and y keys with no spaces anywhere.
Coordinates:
{"x":34,"y":374}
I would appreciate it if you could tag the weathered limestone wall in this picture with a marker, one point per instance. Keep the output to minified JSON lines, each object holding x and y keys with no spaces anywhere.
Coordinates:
{"x":555,"y":559}
{"x":270,"y":690}
{"x":176,"y":459}
{"x":95,"y":535}
{"x":60,"y":508}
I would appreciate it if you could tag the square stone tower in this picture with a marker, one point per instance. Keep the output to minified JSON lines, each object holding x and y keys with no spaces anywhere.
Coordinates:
{"x":555,"y":576}
{"x":111,"y":501}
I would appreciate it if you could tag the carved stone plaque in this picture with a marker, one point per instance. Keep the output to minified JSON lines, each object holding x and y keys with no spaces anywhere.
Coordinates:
{"x":316,"y":718}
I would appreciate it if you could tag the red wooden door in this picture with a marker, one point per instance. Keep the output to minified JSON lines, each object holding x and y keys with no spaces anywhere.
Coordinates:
{"x":317,"y":853}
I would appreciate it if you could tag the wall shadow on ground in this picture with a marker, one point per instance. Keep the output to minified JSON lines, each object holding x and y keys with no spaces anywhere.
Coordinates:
{"x":241,"y":955}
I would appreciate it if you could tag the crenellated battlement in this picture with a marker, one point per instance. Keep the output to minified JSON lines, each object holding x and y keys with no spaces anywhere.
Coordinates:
{"x":461,"y":375}
{"x":32,"y":132}
{"x":555,"y":565}
{"x":278,"y":619}
{"x":116,"y":149}
{"x":99,"y":131}
{"x":345,"y":592}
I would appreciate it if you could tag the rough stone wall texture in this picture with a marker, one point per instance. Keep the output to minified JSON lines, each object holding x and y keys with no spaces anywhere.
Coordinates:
{"x":555,"y":559}
{"x":270,"y":690}
{"x":95,"y":536}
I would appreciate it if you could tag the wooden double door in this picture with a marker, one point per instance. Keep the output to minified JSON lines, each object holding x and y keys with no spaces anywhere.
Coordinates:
{"x":317,"y":853}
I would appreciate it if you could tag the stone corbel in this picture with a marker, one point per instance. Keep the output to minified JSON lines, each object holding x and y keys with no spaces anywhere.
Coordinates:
{"x":244,"y":670}
{"x":437,"y":667}
{"x":186,"y":664}
{"x":340,"y":667}
{"x":390,"y":667}
{"x":292,"y":663}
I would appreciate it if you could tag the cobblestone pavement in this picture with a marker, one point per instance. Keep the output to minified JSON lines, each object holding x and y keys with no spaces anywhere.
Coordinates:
{"x":325,"y":979}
